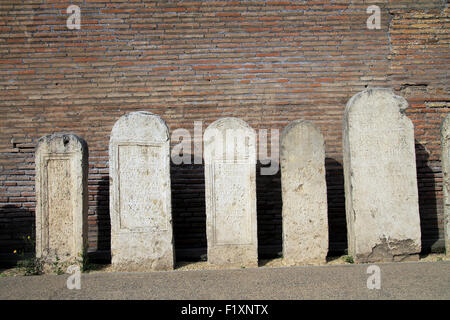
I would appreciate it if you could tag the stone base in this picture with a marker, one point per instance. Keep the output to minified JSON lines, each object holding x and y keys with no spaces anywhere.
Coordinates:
{"x":233,"y":256}
{"x":161,"y":264}
{"x":303,"y":262}
{"x":52,"y":266}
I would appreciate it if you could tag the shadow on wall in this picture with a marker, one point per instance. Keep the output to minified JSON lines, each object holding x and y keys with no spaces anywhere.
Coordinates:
{"x":337,"y":224}
{"x":188,"y":211}
{"x":426,"y":183}
{"x":16,"y":224}
{"x":103,"y":253}
{"x":269,"y":217}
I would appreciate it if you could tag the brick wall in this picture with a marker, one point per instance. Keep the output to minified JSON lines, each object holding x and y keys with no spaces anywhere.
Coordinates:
{"x":267,"y":62}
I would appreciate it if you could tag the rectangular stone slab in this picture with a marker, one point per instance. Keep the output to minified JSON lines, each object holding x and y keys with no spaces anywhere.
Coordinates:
{"x":230,"y":186}
{"x":445,"y":161}
{"x":381,"y":193}
{"x":304,"y":193}
{"x":61,"y":200}
{"x":140,"y":195}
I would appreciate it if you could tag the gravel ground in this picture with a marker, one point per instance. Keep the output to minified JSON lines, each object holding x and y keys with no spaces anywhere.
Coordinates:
{"x":203,"y":265}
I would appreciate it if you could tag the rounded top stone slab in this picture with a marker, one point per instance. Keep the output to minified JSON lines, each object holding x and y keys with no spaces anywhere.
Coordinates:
{"x":370,"y":98}
{"x":300,"y":123}
{"x":376,"y":107}
{"x":301,"y":140}
{"x":381,"y":196}
{"x":229,"y":138}
{"x":229,"y":123}
{"x":140,"y":126}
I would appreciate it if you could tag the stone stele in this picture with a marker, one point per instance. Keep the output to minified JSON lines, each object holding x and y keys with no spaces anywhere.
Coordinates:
{"x":230,"y":186}
{"x":304,"y":193}
{"x":445,"y":160}
{"x":381,"y":194}
{"x":140,"y":196}
{"x":61,"y":201}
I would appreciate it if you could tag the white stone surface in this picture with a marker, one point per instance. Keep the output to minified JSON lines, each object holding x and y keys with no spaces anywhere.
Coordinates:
{"x":381,"y":194}
{"x":140,"y":195}
{"x":230,"y":186}
{"x":61,"y":200}
{"x":304,"y":194}
{"x":445,"y":160}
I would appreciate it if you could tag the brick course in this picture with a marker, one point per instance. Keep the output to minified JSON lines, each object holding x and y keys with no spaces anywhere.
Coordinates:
{"x":267,"y":62}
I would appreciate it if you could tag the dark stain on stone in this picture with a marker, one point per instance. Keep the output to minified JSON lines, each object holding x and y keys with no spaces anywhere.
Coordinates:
{"x":65,"y":140}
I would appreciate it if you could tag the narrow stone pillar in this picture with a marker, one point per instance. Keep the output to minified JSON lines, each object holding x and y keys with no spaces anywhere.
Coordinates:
{"x":230,"y":185}
{"x":445,"y":161}
{"x":140,"y":196}
{"x":381,"y":194}
{"x":61,"y":201}
{"x":304,"y":193}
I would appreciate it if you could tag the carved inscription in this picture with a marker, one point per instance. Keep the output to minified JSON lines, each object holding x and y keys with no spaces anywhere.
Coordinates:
{"x":141,"y":182}
{"x":232,"y":214}
{"x":60,"y":207}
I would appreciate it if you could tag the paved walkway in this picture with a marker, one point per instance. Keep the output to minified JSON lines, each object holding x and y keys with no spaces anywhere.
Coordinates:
{"x":409,"y":280}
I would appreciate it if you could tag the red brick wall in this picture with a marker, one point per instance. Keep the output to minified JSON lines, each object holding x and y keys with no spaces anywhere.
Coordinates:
{"x":267,"y":62}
